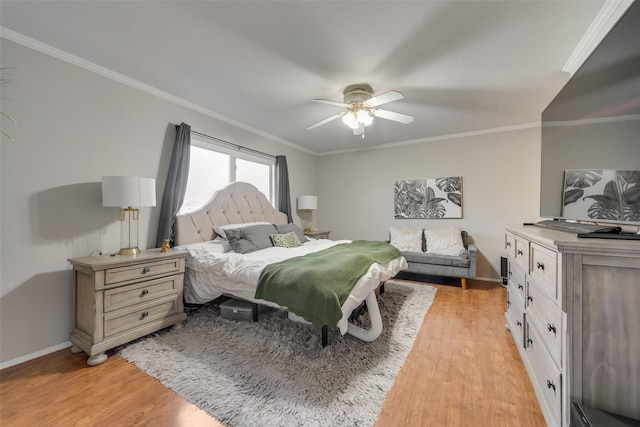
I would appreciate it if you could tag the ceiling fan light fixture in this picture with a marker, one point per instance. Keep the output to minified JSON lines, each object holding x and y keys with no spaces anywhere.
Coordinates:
{"x":350,"y":120}
{"x":364,"y":117}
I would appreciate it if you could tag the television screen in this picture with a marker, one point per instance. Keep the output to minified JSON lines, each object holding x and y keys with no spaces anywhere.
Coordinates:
{"x":590,"y":153}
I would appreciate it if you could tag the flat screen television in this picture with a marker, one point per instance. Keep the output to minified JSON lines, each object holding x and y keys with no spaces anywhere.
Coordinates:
{"x":591,"y":134}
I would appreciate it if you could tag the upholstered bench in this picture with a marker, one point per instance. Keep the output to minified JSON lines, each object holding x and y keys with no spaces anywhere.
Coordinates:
{"x":436,"y":252}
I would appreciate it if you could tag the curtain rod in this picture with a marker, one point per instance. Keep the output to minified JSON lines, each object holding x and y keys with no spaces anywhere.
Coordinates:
{"x":236,"y":146}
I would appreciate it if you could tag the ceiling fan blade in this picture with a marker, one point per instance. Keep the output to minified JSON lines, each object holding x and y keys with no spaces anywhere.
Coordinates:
{"x":390,"y":96}
{"x":392,"y":115}
{"x":327,"y":120}
{"x":359,"y":130}
{"x":326,"y":101}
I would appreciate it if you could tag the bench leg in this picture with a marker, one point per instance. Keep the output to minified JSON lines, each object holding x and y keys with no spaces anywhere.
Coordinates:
{"x":463,"y":282}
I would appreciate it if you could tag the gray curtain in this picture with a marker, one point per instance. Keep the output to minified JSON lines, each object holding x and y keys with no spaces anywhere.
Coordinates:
{"x":176,"y":185}
{"x":284,"y":198}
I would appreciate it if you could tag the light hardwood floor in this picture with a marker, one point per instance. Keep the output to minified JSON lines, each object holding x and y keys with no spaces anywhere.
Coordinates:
{"x":464,"y":370}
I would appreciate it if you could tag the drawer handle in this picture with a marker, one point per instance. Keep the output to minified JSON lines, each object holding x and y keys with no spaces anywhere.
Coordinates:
{"x":508,"y":244}
{"x":529,"y":298}
{"x":520,"y":287}
{"x":551,"y":328}
{"x":551,"y":385}
{"x":144,"y":314}
{"x":520,"y":252}
{"x":519,"y":323}
{"x":145,"y":270}
{"x":508,"y":303}
{"x":529,"y":341}
{"x":144,"y":292}
{"x":510,"y":273}
{"x":540,"y":265}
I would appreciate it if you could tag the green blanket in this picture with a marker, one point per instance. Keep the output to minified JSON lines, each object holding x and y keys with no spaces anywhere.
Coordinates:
{"x":315,"y":286}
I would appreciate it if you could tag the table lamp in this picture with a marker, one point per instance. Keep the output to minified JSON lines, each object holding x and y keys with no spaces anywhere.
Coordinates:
{"x":307,"y":204}
{"x":128,"y":193}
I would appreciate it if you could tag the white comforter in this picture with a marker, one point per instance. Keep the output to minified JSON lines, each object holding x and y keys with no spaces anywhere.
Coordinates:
{"x":212,"y":272}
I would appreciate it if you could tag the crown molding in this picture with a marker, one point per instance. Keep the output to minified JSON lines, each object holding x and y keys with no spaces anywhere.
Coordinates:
{"x":121,"y":78}
{"x":611,"y":11}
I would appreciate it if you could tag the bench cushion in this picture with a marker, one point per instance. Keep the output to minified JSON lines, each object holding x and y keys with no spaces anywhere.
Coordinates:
{"x":446,"y":260}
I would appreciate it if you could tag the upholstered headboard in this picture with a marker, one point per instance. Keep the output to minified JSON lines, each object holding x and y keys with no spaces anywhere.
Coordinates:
{"x":237,"y":203}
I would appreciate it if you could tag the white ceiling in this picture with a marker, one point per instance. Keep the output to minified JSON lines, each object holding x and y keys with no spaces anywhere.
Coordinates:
{"x":463,"y":66}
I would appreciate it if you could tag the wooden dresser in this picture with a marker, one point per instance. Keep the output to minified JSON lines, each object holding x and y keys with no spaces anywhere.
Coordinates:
{"x":124,"y":297}
{"x":573,"y":308}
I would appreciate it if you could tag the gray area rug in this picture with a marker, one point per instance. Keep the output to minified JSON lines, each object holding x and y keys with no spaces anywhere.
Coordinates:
{"x":275,"y":372}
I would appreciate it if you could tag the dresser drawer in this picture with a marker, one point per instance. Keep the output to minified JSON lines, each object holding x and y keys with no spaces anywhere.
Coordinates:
{"x":510,"y":244}
{"x":547,"y":317}
{"x":515,"y":318}
{"x":132,"y":317}
{"x":516,"y":282}
{"x":142,"y":292}
{"x":521,"y":254}
{"x":547,"y":378}
{"x":544,"y":269}
{"x":143,"y":271}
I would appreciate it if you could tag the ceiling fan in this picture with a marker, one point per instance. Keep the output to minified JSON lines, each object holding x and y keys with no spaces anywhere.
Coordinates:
{"x":361,"y":107}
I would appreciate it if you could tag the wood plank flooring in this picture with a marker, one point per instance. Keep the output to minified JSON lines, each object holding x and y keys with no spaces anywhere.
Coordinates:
{"x":464,"y":370}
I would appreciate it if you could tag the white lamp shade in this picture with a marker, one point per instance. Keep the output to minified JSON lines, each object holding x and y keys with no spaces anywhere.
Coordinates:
{"x":125,"y":191}
{"x":307,"y":203}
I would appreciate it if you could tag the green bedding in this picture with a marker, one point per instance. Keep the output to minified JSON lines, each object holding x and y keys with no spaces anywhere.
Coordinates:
{"x":315,"y":286}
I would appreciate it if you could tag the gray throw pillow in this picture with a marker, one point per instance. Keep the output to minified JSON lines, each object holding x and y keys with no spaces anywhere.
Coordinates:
{"x":288,"y":228}
{"x":252,"y":238}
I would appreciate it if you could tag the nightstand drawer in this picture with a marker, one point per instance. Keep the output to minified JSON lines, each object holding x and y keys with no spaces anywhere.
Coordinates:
{"x":124,"y":319}
{"x":138,"y":293}
{"x":143,"y":270}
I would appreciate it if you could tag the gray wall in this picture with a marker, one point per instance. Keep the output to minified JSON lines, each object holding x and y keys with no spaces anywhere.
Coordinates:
{"x":500,"y":177}
{"x":75,"y":126}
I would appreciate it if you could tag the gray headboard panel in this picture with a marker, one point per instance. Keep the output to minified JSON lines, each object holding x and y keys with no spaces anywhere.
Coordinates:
{"x":237,"y":203}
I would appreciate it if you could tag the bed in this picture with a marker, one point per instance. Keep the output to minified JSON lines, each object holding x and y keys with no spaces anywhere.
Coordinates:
{"x":217,"y":266}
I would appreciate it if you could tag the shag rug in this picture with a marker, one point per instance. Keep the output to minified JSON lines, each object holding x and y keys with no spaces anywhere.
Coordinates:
{"x":275,"y":372}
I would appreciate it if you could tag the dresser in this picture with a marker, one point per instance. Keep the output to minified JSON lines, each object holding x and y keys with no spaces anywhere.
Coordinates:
{"x":120,"y":298}
{"x":573,"y":308}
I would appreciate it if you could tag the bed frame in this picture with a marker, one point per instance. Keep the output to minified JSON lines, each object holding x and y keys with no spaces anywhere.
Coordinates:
{"x":239,"y":203}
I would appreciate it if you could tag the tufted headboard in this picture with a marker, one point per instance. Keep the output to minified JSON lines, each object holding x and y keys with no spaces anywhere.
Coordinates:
{"x":237,"y":203}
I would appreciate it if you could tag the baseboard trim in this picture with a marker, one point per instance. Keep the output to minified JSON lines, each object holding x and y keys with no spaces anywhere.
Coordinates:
{"x":35,"y":355}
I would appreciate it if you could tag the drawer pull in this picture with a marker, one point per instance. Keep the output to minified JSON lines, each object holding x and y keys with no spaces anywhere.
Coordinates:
{"x":508,"y":303}
{"x":520,"y":287}
{"x":144,"y":314}
{"x":520,"y":252}
{"x":529,"y":342}
{"x":144,"y":292}
{"x":510,"y":273}
{"x":551,"y":385}
{"x":507,"y":244}
{"x":551,"y":328}
{"x":519,"y":323}
{"x":540,"y":265}
{"x":529,"y":298}
{"x":145,"y":270}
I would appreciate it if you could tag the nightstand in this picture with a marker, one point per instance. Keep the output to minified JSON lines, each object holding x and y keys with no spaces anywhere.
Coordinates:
{"x":124,"y":297}
{"x":317,"y":234}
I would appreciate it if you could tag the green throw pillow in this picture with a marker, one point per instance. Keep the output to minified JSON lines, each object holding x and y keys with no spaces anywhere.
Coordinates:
{"x":288,"y":240}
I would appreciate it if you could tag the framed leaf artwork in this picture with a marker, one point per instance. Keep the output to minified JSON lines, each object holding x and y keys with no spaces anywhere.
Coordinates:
{"x":601,"y":194}
{"x":431,"y":198}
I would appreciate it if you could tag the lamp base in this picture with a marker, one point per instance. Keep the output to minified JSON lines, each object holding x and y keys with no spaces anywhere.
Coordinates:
{"x":128,"y":251}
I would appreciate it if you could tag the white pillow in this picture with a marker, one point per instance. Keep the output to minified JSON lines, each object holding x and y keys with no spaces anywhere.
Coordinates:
{"x":219,"y":229}
{"x":408,"y":239}
{"x":444,"y":241}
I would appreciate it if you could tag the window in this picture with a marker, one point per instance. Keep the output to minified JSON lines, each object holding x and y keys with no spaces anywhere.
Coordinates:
{"x":213,"y":166}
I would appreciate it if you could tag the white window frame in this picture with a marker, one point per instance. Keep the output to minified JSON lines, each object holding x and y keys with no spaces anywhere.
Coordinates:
{"x":237,"y":152}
